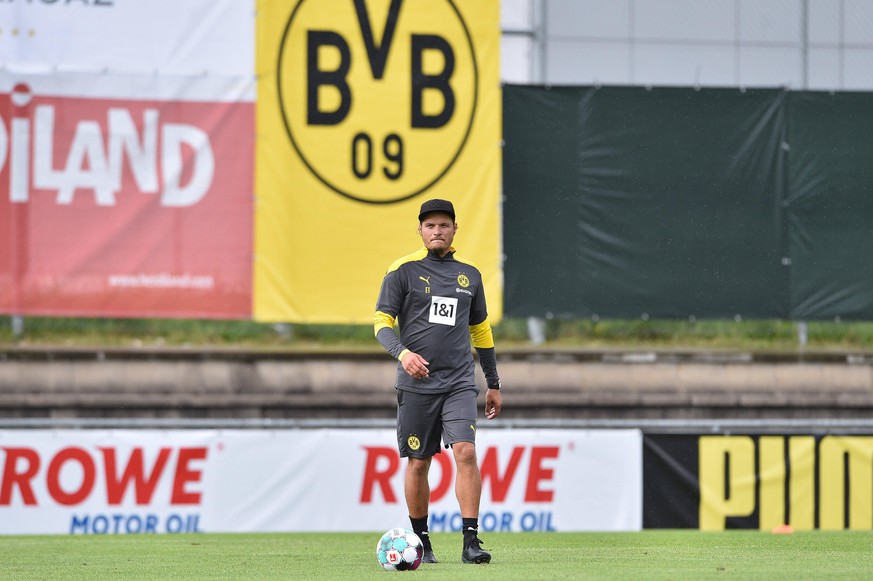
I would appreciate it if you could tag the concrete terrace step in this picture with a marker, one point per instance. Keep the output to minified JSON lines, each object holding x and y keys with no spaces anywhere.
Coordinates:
{"x":538,"y":383}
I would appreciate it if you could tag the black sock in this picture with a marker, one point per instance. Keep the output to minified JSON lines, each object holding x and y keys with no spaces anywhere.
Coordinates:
{"x":419,"y":527}
{"x":470,"y":526}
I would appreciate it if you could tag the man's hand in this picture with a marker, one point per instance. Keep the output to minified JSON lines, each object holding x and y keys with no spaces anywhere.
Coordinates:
{"x":493,"y":403}
{"x":415,"y":365}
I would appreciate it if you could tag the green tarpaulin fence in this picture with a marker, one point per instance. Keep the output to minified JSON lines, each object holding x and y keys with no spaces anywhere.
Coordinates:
{"x":625,"y":202}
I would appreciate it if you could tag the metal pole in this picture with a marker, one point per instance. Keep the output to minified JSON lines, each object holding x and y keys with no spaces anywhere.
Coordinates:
{"x":804,"y":44}
{"x":542,"y":41}
{"x":536,"y":330}
{"x":802,"y":334}
{"x":17,"y":322}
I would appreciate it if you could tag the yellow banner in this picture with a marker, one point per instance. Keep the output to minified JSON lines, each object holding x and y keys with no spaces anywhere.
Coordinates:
{"x":367,"y":108}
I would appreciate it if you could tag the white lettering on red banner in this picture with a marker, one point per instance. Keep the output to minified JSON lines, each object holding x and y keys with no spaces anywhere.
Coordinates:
{"x":103,"y":142}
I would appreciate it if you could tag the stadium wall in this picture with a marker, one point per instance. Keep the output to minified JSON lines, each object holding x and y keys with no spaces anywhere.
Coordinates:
{"x":554,"y":384}
{"x":143,"y":441}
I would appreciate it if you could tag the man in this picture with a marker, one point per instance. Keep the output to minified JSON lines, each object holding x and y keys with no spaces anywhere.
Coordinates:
{"x":439,"y":301}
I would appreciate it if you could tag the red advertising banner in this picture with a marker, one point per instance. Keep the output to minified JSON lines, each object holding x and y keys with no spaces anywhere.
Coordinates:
{"x":119,"y":207}
{"x":127,"y":159}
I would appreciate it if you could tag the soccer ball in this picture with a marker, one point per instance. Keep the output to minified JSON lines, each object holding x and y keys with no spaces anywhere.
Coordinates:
{"x":399,"y":550}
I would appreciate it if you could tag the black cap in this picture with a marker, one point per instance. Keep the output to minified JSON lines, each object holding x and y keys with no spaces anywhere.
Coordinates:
{"x":431,"y":206}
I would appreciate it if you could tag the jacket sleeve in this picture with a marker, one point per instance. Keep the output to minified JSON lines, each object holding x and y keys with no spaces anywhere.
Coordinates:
{"x":483,"y":339}
{"x":488,"y":361}
{"x":387,"y":307}
{"x":389,"y":340}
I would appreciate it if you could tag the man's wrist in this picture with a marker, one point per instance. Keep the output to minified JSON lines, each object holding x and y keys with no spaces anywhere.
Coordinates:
{"x":495,"y":386}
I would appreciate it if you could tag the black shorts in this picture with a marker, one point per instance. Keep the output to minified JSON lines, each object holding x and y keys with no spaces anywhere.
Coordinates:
{"x":424,"y":419}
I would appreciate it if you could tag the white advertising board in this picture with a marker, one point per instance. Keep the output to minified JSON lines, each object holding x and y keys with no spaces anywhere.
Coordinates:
{"x":149,"y":481}
{"x":130,"y":49}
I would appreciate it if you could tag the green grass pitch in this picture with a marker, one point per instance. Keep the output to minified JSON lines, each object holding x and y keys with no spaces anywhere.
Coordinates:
{"x":673,"y":555}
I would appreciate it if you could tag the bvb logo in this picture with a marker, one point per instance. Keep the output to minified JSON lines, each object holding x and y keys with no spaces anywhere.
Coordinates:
{"x":377,"y":96}
{"x":463,"y":281}
{"x":414,"y":443}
